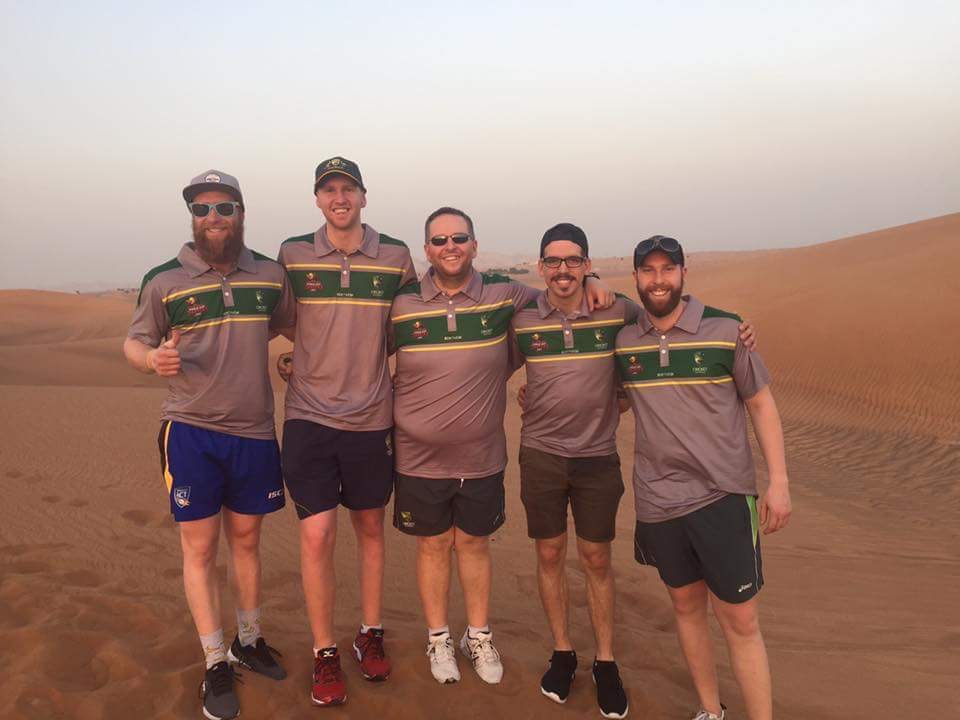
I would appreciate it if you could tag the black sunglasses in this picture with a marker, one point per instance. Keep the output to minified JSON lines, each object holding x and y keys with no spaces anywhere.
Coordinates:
{"x":657,"y":242}
{"x":574,"y":261}
{"x":224,"y":209}
{"x":441,"y":240}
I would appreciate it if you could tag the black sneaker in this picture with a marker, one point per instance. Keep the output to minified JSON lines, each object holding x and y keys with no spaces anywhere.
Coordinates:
{"x":556,"y":681}
{"x":258,"y":658}
{"x":220,"y":702}
{"x":610,"y":695}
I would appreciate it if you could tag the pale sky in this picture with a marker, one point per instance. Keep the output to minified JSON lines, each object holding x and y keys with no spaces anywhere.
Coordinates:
{"x":728,"y":125}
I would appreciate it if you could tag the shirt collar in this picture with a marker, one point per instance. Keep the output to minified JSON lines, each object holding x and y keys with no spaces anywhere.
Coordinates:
{"x":369,"y":246}
{"x":544,"y":308}
{"x":197,"y":266}
{"x":689,"y":320}
{"x":429,"y":289}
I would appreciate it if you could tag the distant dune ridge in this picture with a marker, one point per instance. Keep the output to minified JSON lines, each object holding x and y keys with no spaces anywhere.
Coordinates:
{"x":861,"y":335}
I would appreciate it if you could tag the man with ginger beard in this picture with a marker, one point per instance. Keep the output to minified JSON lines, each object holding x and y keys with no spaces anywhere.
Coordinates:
{"x":203,"y":321}
{"x":450,"y":332}
{"x":689,"y":378}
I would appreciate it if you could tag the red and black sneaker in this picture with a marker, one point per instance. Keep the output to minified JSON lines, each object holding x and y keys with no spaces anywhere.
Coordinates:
{"x":328,"y":685}
{"x":368,"y":649}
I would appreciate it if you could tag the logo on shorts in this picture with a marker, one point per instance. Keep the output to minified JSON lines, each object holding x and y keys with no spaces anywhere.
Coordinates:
{"x":388,"y":441}
{"x":419,"y":330}
{"x":274,"y":494}
{"x":313,"y":283}
{"x":376,"y":285}
{"x":744,"y":587}
{"x":195,"y":309}
{"x":181,"y":496}
{"x":406,"y":519}
{"x":537,"y":343}
{"x":635,"y":367}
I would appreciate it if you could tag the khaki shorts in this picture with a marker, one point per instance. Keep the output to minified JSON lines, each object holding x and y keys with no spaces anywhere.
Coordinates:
{"x":592,"y":485}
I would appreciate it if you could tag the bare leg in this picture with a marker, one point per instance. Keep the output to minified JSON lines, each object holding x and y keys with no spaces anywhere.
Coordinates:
{"x":595,"y":559}
{"x":318,"y":538}
{"x":748,"y":655}
{"x":552,"y":580}
{"x":693,"y":631}
{"x":368,"y":526}
{"x":433,"y":576}
{"x":199,"y":539}
{"x":473,"y":563}
{"x":243,"y":537}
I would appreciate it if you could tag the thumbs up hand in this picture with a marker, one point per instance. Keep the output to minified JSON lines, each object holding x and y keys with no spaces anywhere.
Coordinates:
{"x":165,"y":360}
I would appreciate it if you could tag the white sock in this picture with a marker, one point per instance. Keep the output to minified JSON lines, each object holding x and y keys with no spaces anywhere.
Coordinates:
{"x":433,"y":632}
{"x":214,"y":650}
{"x":365,"y":628}
{"x":472,"y":631}
{"x":248,"y":626}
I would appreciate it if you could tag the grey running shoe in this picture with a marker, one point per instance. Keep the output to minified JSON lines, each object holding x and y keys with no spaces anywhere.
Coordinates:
{"x":483,"y":655}
{"x":704,"y":715}
{"x":443,"y":659}
{"x":610,"y":695}
{"x":556,"y":681}
{"x":258,"y":658}
{"x":220,"y":702}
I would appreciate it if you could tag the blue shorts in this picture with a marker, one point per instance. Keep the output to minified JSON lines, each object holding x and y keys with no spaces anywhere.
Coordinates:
{"x":205,"y":470}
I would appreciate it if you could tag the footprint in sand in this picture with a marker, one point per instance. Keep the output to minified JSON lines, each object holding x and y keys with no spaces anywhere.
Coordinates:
{"x":14,"y":474}
{"x":81,"y":578}
{"x":37,"y":704}
{"x":78,"y":503}
{"x":52,"y":499}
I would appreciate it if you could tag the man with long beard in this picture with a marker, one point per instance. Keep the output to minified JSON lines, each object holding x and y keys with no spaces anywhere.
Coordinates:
{"x":688,"y":378}
{"x":203,"y":321}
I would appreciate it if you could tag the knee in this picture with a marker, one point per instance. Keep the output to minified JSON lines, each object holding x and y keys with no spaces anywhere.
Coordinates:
{"x":740,"y":620}
{"x":246,"y":540}
{"x":596,"y":561}
{"x":200,"y":554}
{"x":470,"y":544}
{"x":369,"y":526}
{"x":436,"y":545}
{"x":689,"y":601}
{"x":317,"y":540}
{"x":551,"y":555}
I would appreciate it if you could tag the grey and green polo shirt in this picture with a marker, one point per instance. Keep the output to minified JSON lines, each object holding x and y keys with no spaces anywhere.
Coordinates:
{"x":226,"y":322}
{"x":570,"y":407}
{"x":451,"y":370}
{"x":340,"y":374}
{"x":686,"y":388}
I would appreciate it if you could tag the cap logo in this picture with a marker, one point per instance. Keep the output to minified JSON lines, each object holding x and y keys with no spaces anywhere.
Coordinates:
{"x":335,"y":162}
{"x":212,"y":178}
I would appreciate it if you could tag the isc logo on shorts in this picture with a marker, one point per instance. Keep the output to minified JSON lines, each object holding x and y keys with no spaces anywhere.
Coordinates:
{"x":274,"y":494}
{"x":181,"y":496}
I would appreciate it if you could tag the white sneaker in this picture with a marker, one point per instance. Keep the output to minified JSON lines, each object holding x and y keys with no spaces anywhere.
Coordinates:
{"x":443,"y":659}
{"x":483,"y":655}
{"x":704,"y":715}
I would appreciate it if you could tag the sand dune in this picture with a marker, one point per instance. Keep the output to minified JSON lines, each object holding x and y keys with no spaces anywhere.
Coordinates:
{"x":859,"y":611}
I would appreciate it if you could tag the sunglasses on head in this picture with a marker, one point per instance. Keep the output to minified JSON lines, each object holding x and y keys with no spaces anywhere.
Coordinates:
{"x":657,"y":242}
{"x":224,"y":209}
{"x":441,"y":240}
{"x":574,"y":261}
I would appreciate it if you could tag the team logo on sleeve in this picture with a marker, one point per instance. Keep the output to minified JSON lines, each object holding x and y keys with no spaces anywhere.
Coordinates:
{"x":194,"y":308}
{"x":181,"y":496}
{"x":313,"y":283}
{"x":420,"y":330}
{"x":537,"y":343}
{"x":635,"y":368}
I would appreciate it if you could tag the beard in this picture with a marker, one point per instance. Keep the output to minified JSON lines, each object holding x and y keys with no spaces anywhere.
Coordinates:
{"x":661,"y":307}
{"x":219,"y":252}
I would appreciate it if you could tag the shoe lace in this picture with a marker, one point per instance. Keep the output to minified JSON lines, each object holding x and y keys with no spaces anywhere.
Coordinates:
{"x":373,"y":646}
{"x":263,"y":651}
{"x":440,"y":649}
{"x":484,"y":649}
{"x":325,"y":669}
{"x":220,"y":681}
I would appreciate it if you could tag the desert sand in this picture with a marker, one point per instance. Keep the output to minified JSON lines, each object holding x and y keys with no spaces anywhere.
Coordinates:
{"x":860,"y":607}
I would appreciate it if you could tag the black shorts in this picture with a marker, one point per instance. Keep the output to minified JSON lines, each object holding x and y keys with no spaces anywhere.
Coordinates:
{"x":428,"y":506}
{"x":719,"y":543}
{"x":324,"y":467}
{"x":592,"y":486}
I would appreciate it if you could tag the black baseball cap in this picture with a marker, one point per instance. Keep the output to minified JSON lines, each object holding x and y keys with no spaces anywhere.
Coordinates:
{"x":667,"y":245}
{"x":565,"y":231}
{"x":337,"y":166}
